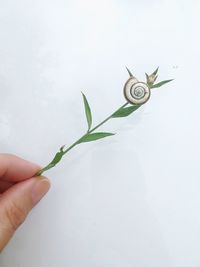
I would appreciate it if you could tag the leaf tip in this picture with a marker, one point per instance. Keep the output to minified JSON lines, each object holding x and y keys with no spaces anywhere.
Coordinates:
{"x":129,"y":72}
{"x":156,"y":71}
{"x":62,"y":148}
{"x":88,"y":112}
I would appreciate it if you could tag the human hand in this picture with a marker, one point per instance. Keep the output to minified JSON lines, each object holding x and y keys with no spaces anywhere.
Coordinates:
{"x":19,"y":193}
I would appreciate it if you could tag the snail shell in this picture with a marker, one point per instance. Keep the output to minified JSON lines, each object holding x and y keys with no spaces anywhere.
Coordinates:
{"x":136,"y":92}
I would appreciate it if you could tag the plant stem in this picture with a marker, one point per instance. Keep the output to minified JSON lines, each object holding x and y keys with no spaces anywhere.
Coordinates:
{"x":109,"y":117}
{"x":63,"y":152}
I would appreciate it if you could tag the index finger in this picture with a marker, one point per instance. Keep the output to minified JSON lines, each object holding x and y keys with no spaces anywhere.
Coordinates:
{"x":15,"y":169}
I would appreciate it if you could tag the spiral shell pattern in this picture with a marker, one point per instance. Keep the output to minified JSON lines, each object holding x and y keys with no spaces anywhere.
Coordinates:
{"x":135,"y":92}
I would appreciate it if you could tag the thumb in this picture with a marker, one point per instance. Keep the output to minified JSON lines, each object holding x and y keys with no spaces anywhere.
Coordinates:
{"x":16,"y":203}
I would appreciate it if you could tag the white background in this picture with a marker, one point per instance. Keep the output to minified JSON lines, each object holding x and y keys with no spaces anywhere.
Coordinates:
{"x":129,"y":200}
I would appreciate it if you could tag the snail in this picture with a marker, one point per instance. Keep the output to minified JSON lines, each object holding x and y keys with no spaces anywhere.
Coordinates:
{"x":136,"y":92}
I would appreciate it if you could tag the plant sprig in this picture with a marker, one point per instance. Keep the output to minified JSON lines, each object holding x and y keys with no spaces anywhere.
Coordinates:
{"x":91,"y":135}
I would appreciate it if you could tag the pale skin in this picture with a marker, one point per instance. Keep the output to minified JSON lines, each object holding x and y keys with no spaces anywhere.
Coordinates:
{"x":19,"y":193}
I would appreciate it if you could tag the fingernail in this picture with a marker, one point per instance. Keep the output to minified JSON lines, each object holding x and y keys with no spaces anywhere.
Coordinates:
{"x":40,"y":189}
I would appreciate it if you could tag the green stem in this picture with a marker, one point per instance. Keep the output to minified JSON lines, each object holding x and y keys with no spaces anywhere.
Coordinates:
{"x":63,"y":152}
{"x":108,"y":118}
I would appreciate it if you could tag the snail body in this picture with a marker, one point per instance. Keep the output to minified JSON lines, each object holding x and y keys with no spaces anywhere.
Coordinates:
{"x":136,"y":92}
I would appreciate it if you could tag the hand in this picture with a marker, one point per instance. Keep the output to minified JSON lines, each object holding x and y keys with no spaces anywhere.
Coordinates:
{"x":19,"y":193}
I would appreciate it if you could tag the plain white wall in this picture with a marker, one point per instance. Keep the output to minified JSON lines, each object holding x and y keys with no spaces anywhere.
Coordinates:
{"x":130,"y":200}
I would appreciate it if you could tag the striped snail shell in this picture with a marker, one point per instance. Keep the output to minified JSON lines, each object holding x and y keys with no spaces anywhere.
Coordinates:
{"x":136,"y":92}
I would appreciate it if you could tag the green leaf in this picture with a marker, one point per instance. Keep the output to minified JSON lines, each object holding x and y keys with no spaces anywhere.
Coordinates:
{"x":156,"y":71}
{"x":94,"y":136}
{"x":57,"y":158}
{"x":129,"y":72}
{"x":151,"y":78}
{"x":87,"y":111}
{"x":124,"y":112}
{"x":161,"y":83}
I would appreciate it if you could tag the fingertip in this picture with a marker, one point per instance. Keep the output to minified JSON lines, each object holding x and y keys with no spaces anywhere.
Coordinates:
{"x":40,"y":188}
{"x":42,"y":177}
{"x":14,"y":168}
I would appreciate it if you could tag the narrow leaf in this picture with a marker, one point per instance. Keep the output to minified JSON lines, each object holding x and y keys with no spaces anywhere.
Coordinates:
{"x":87,"y":111}
{"x":129,"y":72}
{"x":124,"y":112}
{"x":147,"y":79}
{"x":156,"y":71}
{"x":57,"y":158}
{"x":94,"y":136}
{"x":147,"y":76}
{"x":160,"y":83}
